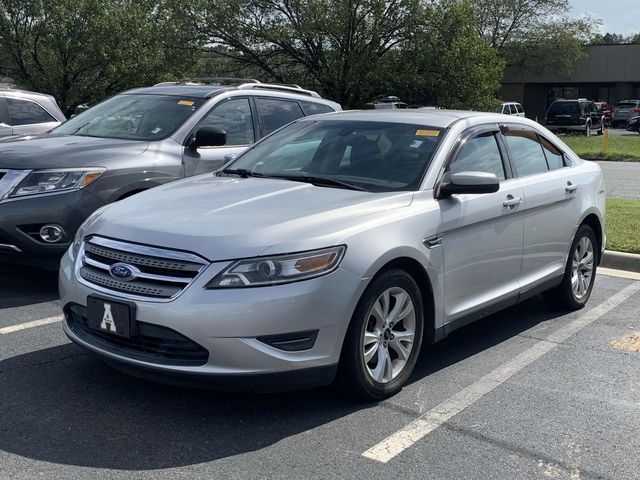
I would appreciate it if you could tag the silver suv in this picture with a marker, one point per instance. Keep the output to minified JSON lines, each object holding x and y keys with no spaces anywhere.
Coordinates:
{"x":49,"y":184}
{"x":338,"y":245}
{"x":27,"y":113}
{"x":624,"y":110}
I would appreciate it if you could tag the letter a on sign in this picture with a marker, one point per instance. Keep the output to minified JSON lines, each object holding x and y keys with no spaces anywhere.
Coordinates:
{"x":107,"y":320}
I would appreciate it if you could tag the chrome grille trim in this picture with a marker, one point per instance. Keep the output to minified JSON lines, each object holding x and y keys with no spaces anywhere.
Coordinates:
{"x":163,"y":274}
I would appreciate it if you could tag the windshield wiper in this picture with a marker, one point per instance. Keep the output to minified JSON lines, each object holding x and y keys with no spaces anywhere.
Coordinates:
{"x":318,"y":181}
{"x":243,"y":172}
{"x":321,"y":181}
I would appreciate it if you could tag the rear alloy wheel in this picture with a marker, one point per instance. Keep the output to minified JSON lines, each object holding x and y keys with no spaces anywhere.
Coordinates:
{"x":384,"y":337}
{"x":580,"y":272}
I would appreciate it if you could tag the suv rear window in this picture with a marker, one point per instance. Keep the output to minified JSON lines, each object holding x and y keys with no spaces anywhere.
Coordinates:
{"x":24,"y":112}
{"x":627,"y":105}
{"x":564,"y":108}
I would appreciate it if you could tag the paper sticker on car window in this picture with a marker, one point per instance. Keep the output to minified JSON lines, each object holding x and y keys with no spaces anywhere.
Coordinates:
{"x":156,"y":130}
{"x":427,"y":133}
{"x":186,"y":103}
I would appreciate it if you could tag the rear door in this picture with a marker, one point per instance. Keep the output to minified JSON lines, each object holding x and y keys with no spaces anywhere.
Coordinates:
{"x":28,"y":117}
{"x":5,"y":128}
{"x":481,"y":234}
{"x":549,"y":209}
{"x":234,"y":116}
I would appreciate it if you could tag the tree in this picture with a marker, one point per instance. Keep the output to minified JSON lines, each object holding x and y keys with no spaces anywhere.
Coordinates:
{"x":608,"y":39}
{"x":534,"y":34}
{"x":84,"y":50}
{"x":350,"y":50}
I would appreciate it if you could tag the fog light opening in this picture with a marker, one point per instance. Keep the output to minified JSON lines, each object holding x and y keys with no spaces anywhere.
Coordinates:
{"x":52,"y":233}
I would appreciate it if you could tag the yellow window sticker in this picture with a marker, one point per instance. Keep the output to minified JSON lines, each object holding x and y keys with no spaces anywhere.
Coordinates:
{"x":427,"y":133}
{"x":186,"y":103}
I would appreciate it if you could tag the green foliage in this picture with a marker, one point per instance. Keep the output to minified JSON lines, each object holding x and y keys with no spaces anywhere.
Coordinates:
{"x":534,"y":35}
{"x":84,"y":50}
{"x":623,"y":224}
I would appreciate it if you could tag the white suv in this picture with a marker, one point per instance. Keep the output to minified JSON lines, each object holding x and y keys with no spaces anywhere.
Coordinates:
{"x":512,"y":108}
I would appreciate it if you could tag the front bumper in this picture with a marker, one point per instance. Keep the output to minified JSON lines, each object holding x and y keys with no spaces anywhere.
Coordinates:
{"x":227,"y":323}
{"x":20,"y":216}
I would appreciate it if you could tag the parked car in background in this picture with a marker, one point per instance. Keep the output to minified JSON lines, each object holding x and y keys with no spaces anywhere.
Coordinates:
{"x":337,"y":246}
{"x":633,"y":125}
{"x":624,"y":110}
{"x":605,"y":110}
{"x":132,"y":142}
{"x":580,"y":115}
{"x":390,"y":102}
{"x":27,"y":113}
{"x":512,"y":108}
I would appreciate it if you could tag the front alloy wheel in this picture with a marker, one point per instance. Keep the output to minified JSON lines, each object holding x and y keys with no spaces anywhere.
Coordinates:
{"x":383,"y":340}
{"x":389,"y":334}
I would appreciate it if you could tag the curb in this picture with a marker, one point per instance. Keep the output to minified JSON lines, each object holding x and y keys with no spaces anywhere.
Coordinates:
{"x":621,"y":261}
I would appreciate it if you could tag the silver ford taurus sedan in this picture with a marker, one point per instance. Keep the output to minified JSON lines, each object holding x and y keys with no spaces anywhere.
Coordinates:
{"x":334,"y":249}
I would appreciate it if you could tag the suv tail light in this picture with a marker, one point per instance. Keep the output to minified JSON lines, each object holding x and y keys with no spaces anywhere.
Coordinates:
{"x":636,"y":110}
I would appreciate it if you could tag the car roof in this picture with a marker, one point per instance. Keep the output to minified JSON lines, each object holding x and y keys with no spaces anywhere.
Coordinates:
{"x":24,"y":92}
{"x":434,"y":118}
{"x":198,"y":91}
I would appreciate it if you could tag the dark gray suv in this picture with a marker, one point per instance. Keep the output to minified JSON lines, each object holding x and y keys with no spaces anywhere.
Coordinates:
{"x":49,"y":184}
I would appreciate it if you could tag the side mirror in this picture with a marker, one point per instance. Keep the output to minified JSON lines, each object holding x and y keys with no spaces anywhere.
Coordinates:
{"x":469,"y":182}
{"x":208,"y":137}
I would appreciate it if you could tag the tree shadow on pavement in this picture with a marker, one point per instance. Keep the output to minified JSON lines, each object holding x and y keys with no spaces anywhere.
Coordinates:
{"x":63,"y":405}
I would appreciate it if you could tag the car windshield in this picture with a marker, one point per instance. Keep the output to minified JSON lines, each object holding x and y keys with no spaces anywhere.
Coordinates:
{"x":369,"y":155}
{"x":564,"y":108}
{"x":133,"y":117}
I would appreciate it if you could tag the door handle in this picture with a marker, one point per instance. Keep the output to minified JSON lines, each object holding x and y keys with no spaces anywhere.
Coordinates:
{"x":512,"y":202}
{"x":570,"y":188}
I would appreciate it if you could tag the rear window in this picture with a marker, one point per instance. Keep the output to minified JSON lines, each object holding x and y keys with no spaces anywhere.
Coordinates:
{"x":627,"y":105}
{"x":564,"y":108}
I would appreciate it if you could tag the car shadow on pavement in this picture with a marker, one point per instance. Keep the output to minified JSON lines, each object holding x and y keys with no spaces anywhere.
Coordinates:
{"x":63,"y":405}
{"x":22,"y":285}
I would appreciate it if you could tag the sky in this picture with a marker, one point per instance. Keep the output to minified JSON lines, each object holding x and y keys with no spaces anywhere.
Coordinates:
{"x":617,"y":16}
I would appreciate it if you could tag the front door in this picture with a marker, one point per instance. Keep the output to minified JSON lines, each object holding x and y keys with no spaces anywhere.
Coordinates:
{"x":482,"y":234}
{"x":234,"y":116}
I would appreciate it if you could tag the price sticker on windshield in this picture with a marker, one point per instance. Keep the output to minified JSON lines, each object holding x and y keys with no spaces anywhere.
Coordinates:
{"x":186,"y":103}
{"x":427,"y":133}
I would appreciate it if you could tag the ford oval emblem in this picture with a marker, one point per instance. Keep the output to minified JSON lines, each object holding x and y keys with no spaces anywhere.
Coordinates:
{"x":124,"y":272}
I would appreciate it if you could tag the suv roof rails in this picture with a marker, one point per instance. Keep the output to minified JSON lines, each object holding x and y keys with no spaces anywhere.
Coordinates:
{"x":273,"y":86}
{"x":222,"y":81}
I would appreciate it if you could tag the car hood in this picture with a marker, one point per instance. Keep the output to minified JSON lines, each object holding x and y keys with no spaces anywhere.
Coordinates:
{"x":227,"y":218}
{"x":64,"y":151}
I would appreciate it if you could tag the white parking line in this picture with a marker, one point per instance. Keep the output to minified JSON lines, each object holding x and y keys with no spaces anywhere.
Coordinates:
{"x":32,"y":324}
{"x":404,"y":438}
{"x":611,"y":272}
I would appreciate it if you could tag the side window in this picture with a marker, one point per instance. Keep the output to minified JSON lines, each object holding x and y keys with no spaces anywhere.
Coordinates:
{"x":275,"y":113}
{"x":22,"y":112}
{"x":526,"y":153}
{"x":506,"y":109}
{"x":514,"y":110}
{"x":234,"y":117}
{"x":519,"y":108}
{"x":555,"y":158}
{"x":479,"y":154}
{"x":311,"y":108}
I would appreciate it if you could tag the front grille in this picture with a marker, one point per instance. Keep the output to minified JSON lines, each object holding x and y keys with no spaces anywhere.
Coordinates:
{"x":160,"y":274}
{"x":151,"y":343}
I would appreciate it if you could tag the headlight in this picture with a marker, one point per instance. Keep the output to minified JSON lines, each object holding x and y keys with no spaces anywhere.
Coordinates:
{"x":45,"y":181}
{"x":633,"y":120}
{"x":276,"y":270}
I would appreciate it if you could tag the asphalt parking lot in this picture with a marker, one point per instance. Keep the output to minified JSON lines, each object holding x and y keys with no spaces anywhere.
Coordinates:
{"x":527,"y":393}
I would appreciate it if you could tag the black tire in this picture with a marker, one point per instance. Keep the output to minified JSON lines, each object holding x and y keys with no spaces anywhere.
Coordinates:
{"x":587,"y":129}
{"x":353,"y":374}
{"x":601,"y":129}
{"x":563,"y":295}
